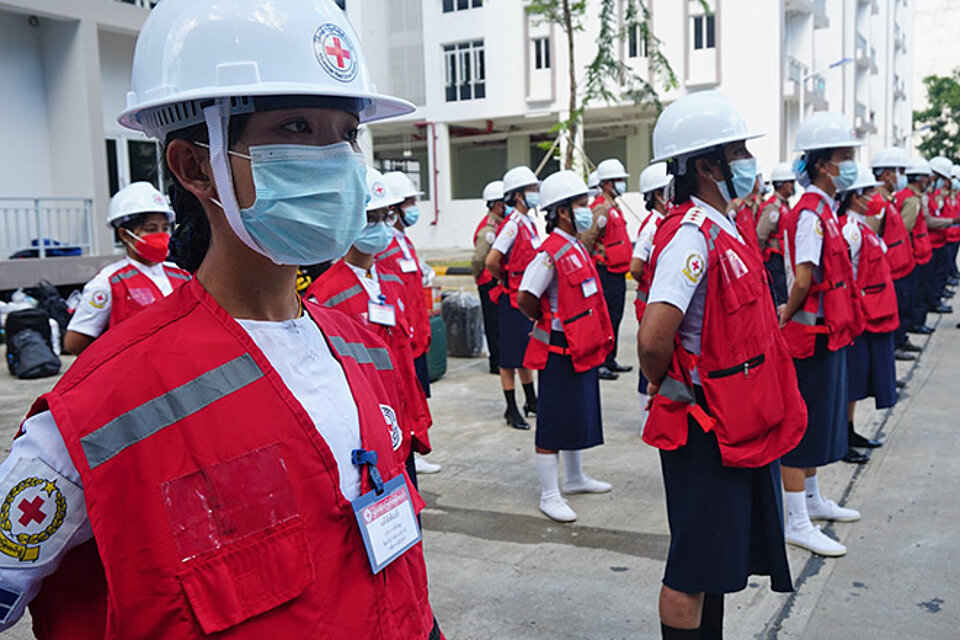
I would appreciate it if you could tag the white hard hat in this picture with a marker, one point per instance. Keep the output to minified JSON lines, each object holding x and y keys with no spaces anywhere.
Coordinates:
{"x":518,"y":178}
{"x":190,"y":51}
{"x":865,"y":179}
{"x":654,"y":177}
{"x":918,"y":167}
{"x":697,"y":122}
{"x":826,"y":130}
{"x":561,"y":186}
{"x":401,"y":185}
{"x":783,"y":172}
{"x":593,"y":181}
{"x":611,"y":169}
{"x":493,"y":191}
{"x":890,"y":157}
{"x":942,"y":166}
{"x":135,"y":199}
{"x":379,"y":190}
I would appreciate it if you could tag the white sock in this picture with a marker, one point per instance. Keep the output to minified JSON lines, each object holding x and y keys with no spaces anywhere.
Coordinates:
{"x":548,"y":469}
{"x":572,"y":468}
{"x":811,"y":487}
{"x":797,"y":517}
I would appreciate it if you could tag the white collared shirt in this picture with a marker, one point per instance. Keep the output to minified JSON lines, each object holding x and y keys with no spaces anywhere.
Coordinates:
{"x":369,"y":279}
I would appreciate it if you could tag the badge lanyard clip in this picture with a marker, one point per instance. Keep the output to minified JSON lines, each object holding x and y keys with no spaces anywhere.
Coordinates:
{"x":366,"y":457}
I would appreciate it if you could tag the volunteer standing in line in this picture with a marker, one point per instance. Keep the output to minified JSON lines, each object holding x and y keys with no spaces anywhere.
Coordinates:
{"x":516,"y":243}
{"x":820,"y":320}
{"x":770,"y":231}
{"x":215,"y":464}
{"x":654,"y":181}
{"x":912,"y":203}
{"x":608,"y":241}
{"x":943,"y":219}
{"x":487,"y":286}
{"x":560,"y":292}
{"x":725,"y":405}
{"x":141,"y":218}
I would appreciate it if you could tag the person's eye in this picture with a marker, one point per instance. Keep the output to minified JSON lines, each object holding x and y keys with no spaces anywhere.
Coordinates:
{"x":352,"y":135}
{"x":297,"y":126}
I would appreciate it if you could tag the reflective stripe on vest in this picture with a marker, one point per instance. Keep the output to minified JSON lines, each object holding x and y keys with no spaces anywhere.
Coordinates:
{"x":673,"y":389}
{"x":541,"y":335}
{"x":124,"y":274}
{"x":343,"y":296}
{"x":389,"y":277}
{"x":176,"y":274}
{"x":379,"y":357}
{"x":392,"y":252}
{"x":155,"y":415}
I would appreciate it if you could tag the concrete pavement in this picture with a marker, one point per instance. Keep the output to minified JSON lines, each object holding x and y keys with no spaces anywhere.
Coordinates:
{"x":499,"y":569}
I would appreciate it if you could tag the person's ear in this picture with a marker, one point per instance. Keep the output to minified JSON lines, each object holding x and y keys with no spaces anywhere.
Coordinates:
{"x":191,"y":166}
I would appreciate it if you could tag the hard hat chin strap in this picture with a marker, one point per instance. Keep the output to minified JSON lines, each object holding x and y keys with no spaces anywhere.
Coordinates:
{"x":217,"y":117}
{"x":727,"y":174}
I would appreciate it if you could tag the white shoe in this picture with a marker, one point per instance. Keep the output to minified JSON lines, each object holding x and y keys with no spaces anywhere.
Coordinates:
{"x":422,"y":466}
{"x":814,"y":540}
{"x":556,"y":508}
{"x":830,"y":510}
{"x":587,"y":485}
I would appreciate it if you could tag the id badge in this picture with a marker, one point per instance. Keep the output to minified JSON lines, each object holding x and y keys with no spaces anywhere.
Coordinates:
{"x":589,"y":287}
{"x":408,"y":265}
{"x":387,"y":522}
{"x":381,"y":313}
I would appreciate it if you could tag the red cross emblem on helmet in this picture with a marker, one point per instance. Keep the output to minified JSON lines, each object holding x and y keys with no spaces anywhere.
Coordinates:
{"x":335,"y":52}
{"x":378,"y":189}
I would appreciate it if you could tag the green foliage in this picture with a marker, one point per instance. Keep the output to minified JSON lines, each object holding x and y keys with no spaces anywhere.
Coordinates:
{"x":941,"y":120}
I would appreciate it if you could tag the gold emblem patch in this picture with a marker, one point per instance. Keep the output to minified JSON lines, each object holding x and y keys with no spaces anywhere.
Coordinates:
{"x":35,"y":502}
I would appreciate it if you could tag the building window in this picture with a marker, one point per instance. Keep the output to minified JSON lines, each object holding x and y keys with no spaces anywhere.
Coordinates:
{"x":461,"y":5}
{"x":541,"y":53}
{"x":636,"y":43}
{"x":704,"y":32}
{"x":465,"y":71}
{"x":342,"y":4}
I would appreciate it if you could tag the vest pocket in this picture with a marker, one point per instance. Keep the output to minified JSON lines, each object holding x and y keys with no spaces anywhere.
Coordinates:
{"x":248,"y":577}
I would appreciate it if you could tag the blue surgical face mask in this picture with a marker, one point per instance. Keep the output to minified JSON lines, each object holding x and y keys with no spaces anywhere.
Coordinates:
{"x":532,"y":198}
{"x":310,"y":201}
{"x":847,"y":176}
{"x":582,"y":218}
{"x":374,"y":238}
{"x":744,"y":179}
{"x":410,"y":216}
{"x":955,"y":184}
{"x":620,"y":186}
{"x":901,"y":181}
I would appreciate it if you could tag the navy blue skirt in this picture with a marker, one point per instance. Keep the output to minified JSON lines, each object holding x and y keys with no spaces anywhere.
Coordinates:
{"x":871,"y":369}
{"x":823,"y":383}
{"x":568,"y":404}
{"x":423,"y":372}
{"x":514,"y":334}
{"x":726,"y":523}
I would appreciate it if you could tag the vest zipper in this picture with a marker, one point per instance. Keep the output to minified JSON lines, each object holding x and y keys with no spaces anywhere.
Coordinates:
{"x":744,"y":367}
{"x":578,"y":316}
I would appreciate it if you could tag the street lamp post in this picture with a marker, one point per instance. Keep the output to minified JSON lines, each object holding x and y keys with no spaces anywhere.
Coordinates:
{"x":805,"y":77}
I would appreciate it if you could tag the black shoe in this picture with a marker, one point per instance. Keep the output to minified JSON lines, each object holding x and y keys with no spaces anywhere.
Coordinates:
{"x":856,"y":457}
{"x":901,"y":384}
{"x":616,"y":367}
{"x":857,"y":440}
{"x":922,"y":330}
{"x":606,"y":374}
{"x":909,"y":347}
{"x":942,"y":308}
{"x":900,"y":354}
{"x":515,"y":420}
{"x":949,"y":294}
{"x":953,"y":281}
{"x":529,"y":408}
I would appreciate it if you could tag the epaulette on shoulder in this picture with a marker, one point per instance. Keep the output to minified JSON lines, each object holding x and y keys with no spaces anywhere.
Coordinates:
{"x":694,"y":215}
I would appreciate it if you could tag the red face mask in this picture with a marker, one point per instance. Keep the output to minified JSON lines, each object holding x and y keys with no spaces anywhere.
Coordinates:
{"x":152,"y":247}
{"x":876,"y":205}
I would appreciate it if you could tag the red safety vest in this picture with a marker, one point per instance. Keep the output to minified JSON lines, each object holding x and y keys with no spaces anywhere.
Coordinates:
{"x":747,"y":226}
{"x":952,"y":207}
{"x":131,"y":290}
{"x":920,"y":234}
{"x":877,"y":295}
{"x":485,"y":276}
{"x":214,"y":502}
{"x":897,"y":239}
{"x":521,"y":253}
{"x":782,"y":207}
{"x":938,"y":209}
{"x":748,"y":378}
{"x":614,"y":238}
{"x":414,"y":299}
{"x":338,"y":288}
{"x":843,"y":315}
{"x":643,"y":286}
{"x":586,"y":322}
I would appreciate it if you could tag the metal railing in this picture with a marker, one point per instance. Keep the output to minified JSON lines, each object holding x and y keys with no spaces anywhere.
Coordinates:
{"x":795,"y":69}
{"x":45,"y":227}
{"x":818,"y":85}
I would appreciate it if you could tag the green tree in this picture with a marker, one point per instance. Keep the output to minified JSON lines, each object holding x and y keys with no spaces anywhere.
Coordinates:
{"x":605,"y":78}
{"x":941,"y":120}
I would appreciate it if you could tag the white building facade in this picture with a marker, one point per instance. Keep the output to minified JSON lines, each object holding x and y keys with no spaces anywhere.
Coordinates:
{"x":489,"y":83}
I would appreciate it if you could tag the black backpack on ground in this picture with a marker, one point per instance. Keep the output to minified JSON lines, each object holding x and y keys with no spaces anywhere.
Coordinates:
{"x":29,"y":354}
{"x":48,"y":299}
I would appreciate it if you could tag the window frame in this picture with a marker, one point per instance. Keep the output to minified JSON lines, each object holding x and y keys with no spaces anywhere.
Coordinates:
{"x":464,"y":71}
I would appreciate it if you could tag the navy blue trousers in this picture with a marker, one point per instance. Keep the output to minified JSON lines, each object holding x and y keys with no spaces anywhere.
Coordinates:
{"x":906,"y":288}
{"x":614,"y":293}
{"x":491,"y":323}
